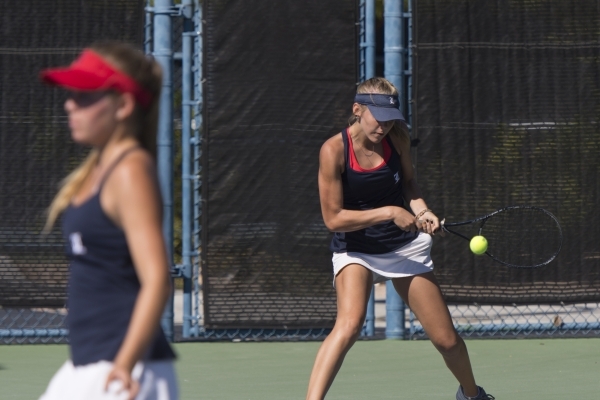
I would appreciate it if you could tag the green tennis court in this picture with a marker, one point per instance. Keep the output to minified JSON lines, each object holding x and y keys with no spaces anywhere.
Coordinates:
{"x":546,"y":369}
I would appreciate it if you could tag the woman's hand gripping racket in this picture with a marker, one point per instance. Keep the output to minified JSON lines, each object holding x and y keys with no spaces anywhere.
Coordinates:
{"x":517,"y":236}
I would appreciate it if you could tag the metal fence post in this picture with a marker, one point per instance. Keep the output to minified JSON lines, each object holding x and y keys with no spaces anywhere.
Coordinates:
{"x":367,"y":55}
{"x":408,"y":71}
{"x":197,"y":169}
{"x":394,"y":71}
{"x":186,"y":159}
{"x":163,"y":53}
{"x":367,"y":39}
{"x":148,"y":29}
{"x":370,"y":73}
{"x":409,"y":118}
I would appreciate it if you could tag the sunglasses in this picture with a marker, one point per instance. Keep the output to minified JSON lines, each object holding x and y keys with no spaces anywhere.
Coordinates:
{"x":86,"y":99}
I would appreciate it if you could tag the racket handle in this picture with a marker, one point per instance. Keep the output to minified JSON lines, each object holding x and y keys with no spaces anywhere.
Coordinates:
{"x":443,"y":229}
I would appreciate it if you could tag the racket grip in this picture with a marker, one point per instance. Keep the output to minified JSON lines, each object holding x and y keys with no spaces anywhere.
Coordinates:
{"x":443,"y":229}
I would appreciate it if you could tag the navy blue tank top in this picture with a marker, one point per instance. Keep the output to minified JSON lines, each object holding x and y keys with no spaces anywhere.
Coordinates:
{"x":366,"y":189}
{"x":103,"y":285}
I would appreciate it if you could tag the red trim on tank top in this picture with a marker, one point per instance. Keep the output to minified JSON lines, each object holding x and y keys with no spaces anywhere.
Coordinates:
{"x":387,"y":152}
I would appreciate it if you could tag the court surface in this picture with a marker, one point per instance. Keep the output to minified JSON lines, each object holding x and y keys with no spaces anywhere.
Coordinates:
{"x":560,"y":369}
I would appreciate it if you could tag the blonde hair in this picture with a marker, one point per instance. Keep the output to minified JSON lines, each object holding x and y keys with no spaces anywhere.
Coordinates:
{"x":380,"y":85}
{"x":148,"y":74}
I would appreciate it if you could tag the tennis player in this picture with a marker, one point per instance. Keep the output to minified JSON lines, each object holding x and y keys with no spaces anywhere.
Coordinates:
{"x":111,"y":208}
{"x":365,"y":178}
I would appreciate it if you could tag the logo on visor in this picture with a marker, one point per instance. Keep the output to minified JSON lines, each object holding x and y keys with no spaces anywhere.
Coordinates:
{"x":392,"y":100}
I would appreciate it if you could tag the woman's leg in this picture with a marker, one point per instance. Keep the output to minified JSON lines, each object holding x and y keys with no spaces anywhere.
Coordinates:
{"x":353,"y":286}
{"x":422,"y":294}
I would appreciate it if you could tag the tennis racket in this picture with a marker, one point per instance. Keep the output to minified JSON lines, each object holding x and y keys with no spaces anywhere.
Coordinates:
{"x":517,"y":236}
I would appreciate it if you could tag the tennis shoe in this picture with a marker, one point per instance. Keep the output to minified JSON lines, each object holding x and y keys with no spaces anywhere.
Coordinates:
{"x":482,"y":395}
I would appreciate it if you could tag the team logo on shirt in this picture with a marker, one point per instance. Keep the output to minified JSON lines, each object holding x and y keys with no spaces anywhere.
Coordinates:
{"x":392,"y":100}
{"x":77,"y":246}
{"x":397,"y":177}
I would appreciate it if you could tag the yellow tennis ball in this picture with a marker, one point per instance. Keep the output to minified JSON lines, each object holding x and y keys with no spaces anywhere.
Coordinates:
{"x":478,"y":245}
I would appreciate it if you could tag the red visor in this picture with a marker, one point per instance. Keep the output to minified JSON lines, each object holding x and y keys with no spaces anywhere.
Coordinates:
{"x":92,"y":72}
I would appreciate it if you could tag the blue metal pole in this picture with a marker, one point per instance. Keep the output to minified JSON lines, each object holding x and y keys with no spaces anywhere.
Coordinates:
{"x":409,"y":111}
{"x":394,"y":313}
{"x":163,"y":53}
{"x":394,"y":71}
{"x":370,"y":39}
{"x":362,"y":41}
{"x":367,"y":39}
{"x":186,"y":162}
{"x":370,"y":73}
{"x":197,"y":141}
{"x":148,"y":30}
{"x":369,"y":328}
{"x":368,"y":55}
{"x":394,"y":49}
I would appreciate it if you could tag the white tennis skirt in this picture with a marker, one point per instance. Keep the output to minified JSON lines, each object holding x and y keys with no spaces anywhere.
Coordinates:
{"x":412,"y":259}
{"x":86,"y":382}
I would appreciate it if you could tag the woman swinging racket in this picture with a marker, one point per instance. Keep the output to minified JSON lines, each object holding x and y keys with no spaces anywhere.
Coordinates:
{"x":365,"y":175}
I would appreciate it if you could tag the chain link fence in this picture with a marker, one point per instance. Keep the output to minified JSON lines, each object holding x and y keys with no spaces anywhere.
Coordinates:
{"x":36,"y":152}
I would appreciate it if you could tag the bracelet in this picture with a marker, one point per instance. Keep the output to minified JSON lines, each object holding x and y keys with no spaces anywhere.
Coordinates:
{"x":419,"y":215}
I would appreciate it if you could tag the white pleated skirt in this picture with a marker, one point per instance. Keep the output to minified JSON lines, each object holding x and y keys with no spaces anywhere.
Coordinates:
{"x":157,"y":381}
{"x":412,"y":259}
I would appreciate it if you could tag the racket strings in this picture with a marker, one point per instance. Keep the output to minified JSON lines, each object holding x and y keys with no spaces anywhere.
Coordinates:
{"x":526,"y":237}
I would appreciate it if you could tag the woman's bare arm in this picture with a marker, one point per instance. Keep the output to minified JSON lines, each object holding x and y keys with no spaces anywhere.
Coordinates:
{"x":138,"y":210}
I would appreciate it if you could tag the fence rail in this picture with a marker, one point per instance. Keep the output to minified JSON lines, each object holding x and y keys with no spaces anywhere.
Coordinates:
{"x":48,"y":325}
